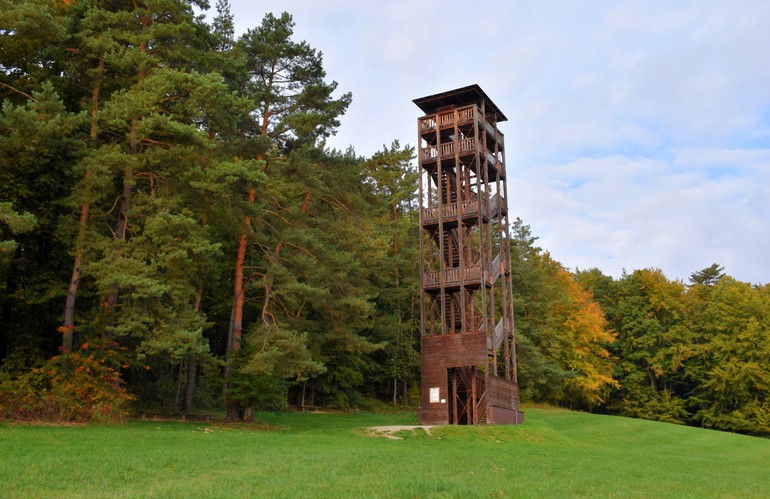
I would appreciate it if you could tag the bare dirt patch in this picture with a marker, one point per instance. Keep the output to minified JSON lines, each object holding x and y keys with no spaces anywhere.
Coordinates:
{"x":390,"y":431}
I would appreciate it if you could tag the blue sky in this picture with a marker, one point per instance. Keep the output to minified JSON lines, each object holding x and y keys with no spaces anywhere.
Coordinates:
{"x":638,"y":132}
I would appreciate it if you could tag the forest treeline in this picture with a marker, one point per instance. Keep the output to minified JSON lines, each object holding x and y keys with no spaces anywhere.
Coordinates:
{"x":176,"y":237}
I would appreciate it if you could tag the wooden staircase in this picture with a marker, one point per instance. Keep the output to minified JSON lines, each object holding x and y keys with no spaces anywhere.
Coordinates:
{"x":452,"y":312}
{"x":464,"y":383}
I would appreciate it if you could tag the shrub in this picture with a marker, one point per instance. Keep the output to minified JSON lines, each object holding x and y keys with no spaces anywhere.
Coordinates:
{"x":87,"y":389}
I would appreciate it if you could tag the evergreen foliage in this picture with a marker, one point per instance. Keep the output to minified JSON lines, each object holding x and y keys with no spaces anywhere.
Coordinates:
{"x":171,"y":221}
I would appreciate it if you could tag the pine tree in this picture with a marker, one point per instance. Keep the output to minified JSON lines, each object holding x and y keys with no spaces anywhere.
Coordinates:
{"x":11,"y":223}
{"x":157,"y":125}
{"x":392,"y":178}
{"x":291,"y":105}
{"x":313,"y":279}
{"x":38,"y":148}
{"x":32,"y":48}
{"x":223,"y":27}
{"x":708,"y":276}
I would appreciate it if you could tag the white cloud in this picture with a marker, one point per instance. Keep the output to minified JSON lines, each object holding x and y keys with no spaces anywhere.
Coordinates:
{"x":638,"y":132}
{"x":681,"y":215}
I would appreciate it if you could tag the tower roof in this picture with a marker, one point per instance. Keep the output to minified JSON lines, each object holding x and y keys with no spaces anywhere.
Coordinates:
{"x":472,"y":94}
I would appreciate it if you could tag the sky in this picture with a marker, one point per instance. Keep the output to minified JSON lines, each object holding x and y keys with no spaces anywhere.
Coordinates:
{"x":638,"y":132}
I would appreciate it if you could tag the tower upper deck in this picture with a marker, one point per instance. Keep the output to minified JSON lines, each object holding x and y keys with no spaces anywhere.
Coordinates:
{"x":464,"y":96}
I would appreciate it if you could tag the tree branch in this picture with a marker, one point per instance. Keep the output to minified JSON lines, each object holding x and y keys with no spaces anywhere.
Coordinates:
{"x":18,"y":91}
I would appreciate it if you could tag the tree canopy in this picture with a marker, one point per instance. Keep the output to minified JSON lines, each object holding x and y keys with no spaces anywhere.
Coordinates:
{"x":176,"y":236}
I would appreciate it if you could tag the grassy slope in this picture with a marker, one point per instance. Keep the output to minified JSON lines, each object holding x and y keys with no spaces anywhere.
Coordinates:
{"x":556,"y":453}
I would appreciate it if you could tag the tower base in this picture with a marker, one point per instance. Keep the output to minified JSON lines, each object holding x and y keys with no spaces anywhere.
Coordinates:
{"x":456,"y":391}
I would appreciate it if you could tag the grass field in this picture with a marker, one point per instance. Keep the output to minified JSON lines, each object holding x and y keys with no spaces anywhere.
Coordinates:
{"x":555,"y":454}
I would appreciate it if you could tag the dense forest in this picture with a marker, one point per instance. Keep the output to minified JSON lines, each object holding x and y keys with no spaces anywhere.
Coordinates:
{"x":175,"y":237}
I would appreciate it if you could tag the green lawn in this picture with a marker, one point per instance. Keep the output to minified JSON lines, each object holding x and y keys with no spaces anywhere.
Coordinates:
{"x":555,"y":454}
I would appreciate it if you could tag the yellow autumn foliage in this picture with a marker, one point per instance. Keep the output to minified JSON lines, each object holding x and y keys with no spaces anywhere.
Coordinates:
{"x":587,"y":334}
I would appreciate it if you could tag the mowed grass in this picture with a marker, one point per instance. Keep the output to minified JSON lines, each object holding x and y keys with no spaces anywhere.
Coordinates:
{"x":555,"y":454}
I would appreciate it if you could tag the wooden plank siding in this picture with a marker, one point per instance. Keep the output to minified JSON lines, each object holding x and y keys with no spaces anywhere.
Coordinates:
{"x":440,"y":353}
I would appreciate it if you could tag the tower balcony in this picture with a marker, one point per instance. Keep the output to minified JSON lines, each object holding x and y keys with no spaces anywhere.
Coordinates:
{"x":460,"y":117}
{"x":467,"y":211}
{"x":450,"y":279}
{"x":466,"y":149}
{"x":452,"y":212}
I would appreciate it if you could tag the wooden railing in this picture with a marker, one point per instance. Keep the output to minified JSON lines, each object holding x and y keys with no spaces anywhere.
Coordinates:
{"x":431,"y":214}
{"x":464,"y":145}
{"x":496,"y":269}
{"x":467,"y":144}
{"x":497,"y":203}
{"x":498,"y":335}
{"x":472,"y":273}
{"x":463,"y":115}
{"x":469,"y":207}
{"x":466,"y":114}
{"x":452,"y":210}
{"x":449,"y":277}
{"x":446,"y":119}
{"x":490,"y":128}
{"x":449,"y":210}
{"x":471,"y":113}
{"x":465,"y":209}
{"x":429,"y":153}
{"x":427,"y":124}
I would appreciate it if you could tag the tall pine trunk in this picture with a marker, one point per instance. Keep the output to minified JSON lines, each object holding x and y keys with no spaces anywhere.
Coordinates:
{"x":235,"y":331}
{"x":192,"y":359}
{"x":189,"y":389}
{"x":120,"y":234}
{"x":399,"y":315}
{"x":236,"y":319}
{"x":111,"y":302}
{"x":68,"y":328}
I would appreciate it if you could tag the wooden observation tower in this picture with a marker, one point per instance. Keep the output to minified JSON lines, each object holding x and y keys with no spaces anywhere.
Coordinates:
{"x":468,"y":347}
